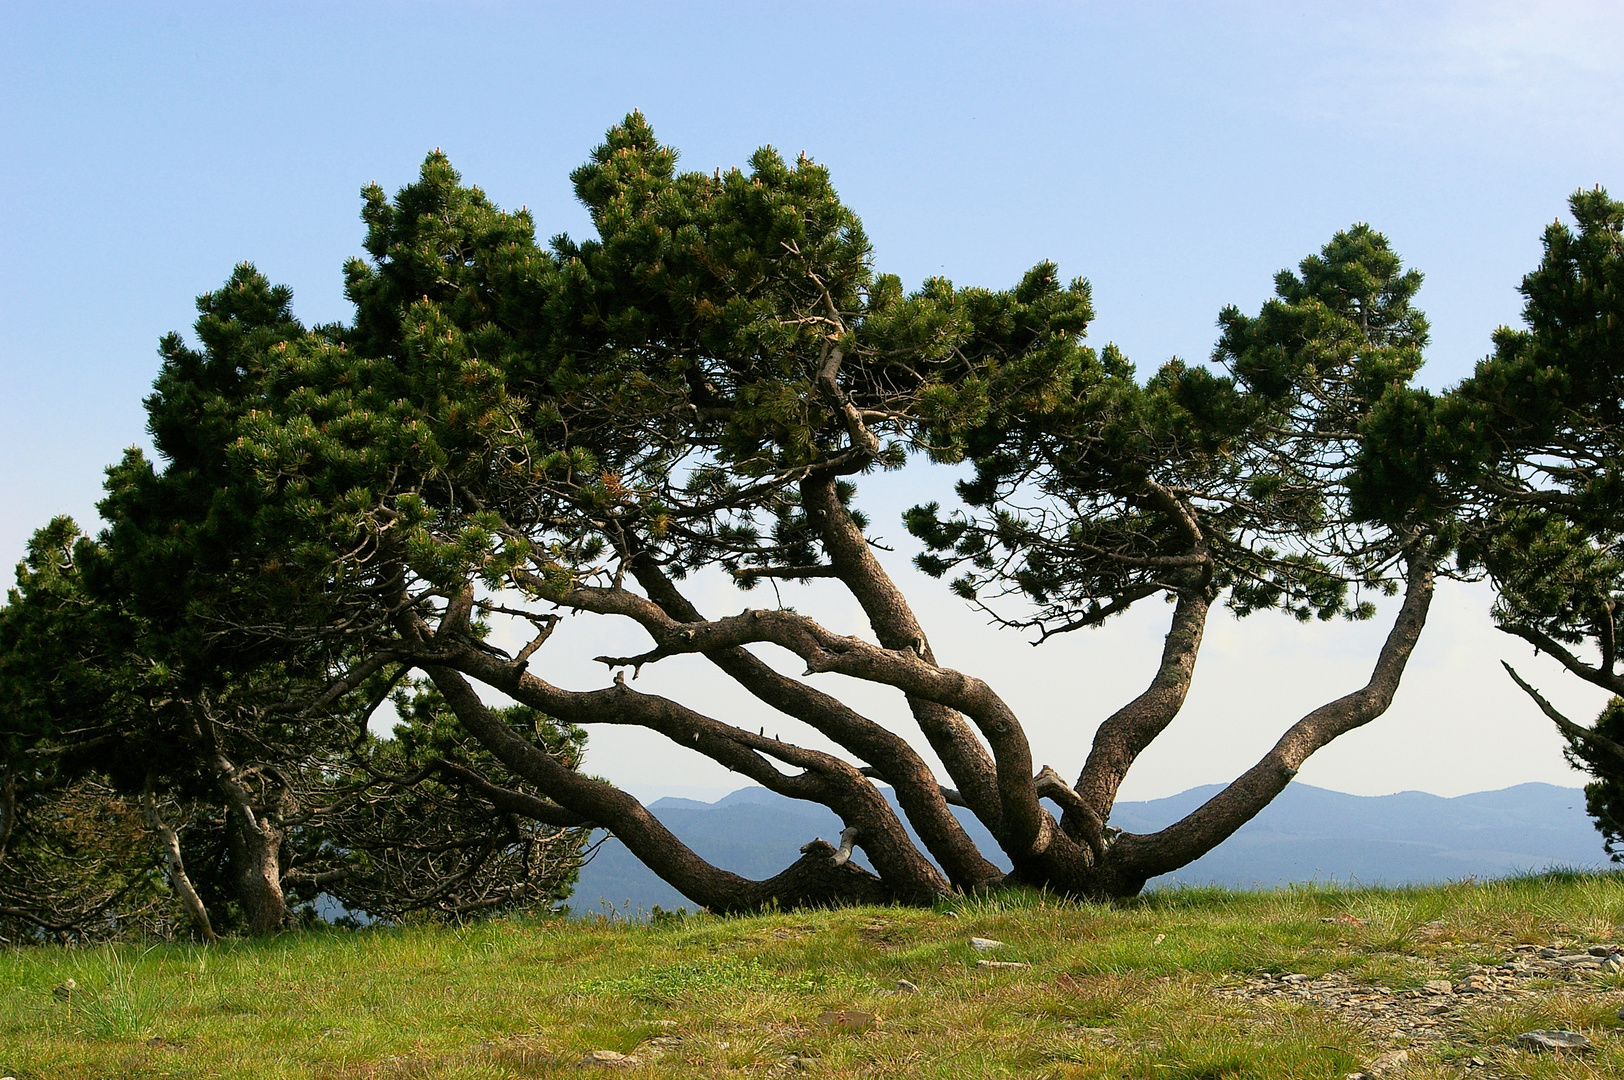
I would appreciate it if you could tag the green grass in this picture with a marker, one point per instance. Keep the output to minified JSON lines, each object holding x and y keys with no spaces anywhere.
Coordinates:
{"x":742,"y":996}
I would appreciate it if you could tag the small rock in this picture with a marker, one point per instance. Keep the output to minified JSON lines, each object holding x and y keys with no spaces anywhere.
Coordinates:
{"x":1000,"y":964}
{"x":950,"y":914}
{"x":794,"y":1062}
{"x":1602,"y":950}
{"x":665,"y":1025}
{"x":1613,"y":963}
{"x":1555,"y":1040}
{"x":985,"y":944}
{"x":852,"y":1020}
{"x":1437,"y":986}
{"x":609,"y":1059}
{"x":64,"y":990}
{"x":1392,"y":1061}
{"x":906,"y":987}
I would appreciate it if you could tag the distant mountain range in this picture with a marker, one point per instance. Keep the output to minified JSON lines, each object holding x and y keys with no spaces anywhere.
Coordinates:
{"x":1306,"y":834}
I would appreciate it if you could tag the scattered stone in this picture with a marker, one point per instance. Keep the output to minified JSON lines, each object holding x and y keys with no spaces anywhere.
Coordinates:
{"x":64,"y":990}
{"x":1388,"y":1063}
{"x":794,"y":1061}
{"x":855,"y":1021}
{"x":906,"y":987}
{"x":1431,"y":1016}
{"x":609,"y":1059}
{"x":665,"y":1025}
{"x":1391,"y":1061}
{"x":1555,"y":1040}
{"x":1000,"y":964}
{"x":1159,"y":939}
{"x":985,"y":944}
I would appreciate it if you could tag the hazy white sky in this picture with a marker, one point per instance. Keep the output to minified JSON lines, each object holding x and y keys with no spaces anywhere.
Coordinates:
{"x":1175,"y":154}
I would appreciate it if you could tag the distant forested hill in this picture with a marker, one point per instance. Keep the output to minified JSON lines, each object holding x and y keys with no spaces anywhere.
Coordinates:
{"x":1307,"y":834}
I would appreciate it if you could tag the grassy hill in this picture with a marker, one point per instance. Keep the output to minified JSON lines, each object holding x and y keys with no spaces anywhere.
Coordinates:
{"x":1179,"y":985}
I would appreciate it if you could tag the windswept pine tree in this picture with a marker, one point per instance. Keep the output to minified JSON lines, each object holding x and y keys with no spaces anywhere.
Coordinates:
{"x":508,"y":432}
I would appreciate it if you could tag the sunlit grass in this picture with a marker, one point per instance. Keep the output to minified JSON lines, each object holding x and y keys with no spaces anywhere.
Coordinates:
{"x":1122,"y":990}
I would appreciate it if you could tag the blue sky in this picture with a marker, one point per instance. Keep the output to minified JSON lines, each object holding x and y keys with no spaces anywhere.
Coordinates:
{"x":1177,"y":155}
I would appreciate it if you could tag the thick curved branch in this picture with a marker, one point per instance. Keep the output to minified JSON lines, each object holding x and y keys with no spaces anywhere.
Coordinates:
{"x":1025,"y":825}
{"x":1127,"y":732}
{"x":918,"y":792}
{"x":1145,"y":856}
{"x":896,"y":627}
{"x":825,"y":778}
{"x":813,"y":879}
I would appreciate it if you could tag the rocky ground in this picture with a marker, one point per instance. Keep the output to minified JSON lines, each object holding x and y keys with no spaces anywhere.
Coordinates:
{"x":1450,"y":1016}
{"x":1457,"y":1018}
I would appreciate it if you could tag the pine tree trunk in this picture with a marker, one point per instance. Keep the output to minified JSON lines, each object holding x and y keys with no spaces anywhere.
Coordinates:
{"x":256,"y":861}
